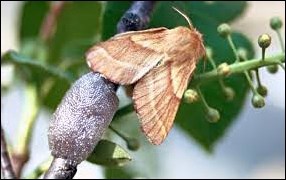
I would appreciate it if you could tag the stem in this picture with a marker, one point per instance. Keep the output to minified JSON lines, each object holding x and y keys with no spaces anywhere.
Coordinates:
{"x":221,"y":83}
{"x":263,"y":53}
{"x":30,"y":113}
{"x":39,"y":170}
{"x":122,"y":111}
{"x":50,"y":21}
{"x":120,"y":134}
{"x":211,"y":60}
{"x":258,"y":77}
{"x":240,"y":67}
{"x":31,"y":108}
{"x":206,"y":106}
{"x":6,"y":166}
{"x":280,"y":40}
{"x":250,"y":82}
{"x":220,"y":80}
{"x":229,"y":39}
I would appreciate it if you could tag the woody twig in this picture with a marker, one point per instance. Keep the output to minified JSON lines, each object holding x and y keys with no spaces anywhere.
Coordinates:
{"x":6,"y":166}
{"x":136,"y":17}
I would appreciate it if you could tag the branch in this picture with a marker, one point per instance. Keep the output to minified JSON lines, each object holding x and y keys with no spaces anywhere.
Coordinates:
{"x":61,"y":169}
{"x":6,"y":166}
{"x":137,"y":17}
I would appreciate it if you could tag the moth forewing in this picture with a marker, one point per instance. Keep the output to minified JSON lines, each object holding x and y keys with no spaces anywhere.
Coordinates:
{"x":122,"y":59}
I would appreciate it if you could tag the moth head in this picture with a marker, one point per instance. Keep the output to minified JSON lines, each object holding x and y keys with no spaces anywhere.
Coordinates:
{"x":198,"y":36}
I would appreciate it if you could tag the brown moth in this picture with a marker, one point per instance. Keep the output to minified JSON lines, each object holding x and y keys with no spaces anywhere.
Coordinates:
{"x":159,"y":62}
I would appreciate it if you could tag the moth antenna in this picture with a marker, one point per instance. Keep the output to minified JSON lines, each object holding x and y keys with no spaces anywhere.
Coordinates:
{"x":185,"y":16}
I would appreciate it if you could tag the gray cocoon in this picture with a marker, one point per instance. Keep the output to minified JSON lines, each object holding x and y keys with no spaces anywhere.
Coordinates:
{"x":82,"y":117}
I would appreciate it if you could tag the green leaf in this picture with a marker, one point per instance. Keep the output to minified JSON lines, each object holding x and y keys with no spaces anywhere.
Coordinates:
{"x":205,"y":16}
{"x":123,"y":111}
{"x":221,"y":11}
{"x":34,"y":49}
{"x":40,"y":70}
{"x":35,"y":72}
{"x":77,"y":30}
{"x":214,"y":11}
{"x":118,"y":173}
{"x":75,"y":51}
{"x":40,"y":74}
{"x":32,"y":16}
{"x":78,"y":21}
{"x":109,"y":154}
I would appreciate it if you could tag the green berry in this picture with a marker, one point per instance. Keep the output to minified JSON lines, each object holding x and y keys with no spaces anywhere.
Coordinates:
{"x":229,"y":93}
{"x":224,"y":69}
{"x":257,"y":101}
{"x":275,"y":23}
{"x":272,"y":69}
{"x":262,"y":90}
{"x":264,"y":40}
{"x":133,"y":144}
{"x":224,"y":30}
{"x":212,"y":115}
{"x":191,"y":96}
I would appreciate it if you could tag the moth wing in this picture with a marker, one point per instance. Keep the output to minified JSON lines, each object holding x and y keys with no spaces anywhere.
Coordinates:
{"x":122,"y":60}
{"x":157,"y":97}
